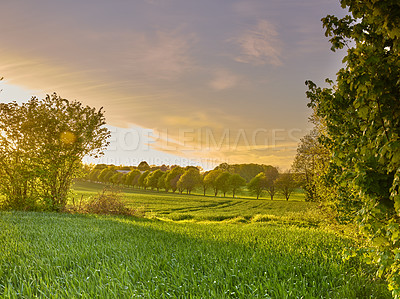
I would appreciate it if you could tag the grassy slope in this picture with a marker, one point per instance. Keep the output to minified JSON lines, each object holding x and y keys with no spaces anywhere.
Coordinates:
{"x":69,"y":256}
{"x":181,"y":206}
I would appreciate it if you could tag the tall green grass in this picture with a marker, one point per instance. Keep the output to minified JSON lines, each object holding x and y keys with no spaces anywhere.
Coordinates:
{"x":73,"y":256}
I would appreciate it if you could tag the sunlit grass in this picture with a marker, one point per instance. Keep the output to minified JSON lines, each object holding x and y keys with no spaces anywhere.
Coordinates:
{"x":68,"y":256}
{"x":198,"y":207}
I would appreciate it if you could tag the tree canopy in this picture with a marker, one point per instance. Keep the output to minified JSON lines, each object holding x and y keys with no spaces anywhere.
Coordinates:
{"x":42,"y":143}
{"x":362,"y":116}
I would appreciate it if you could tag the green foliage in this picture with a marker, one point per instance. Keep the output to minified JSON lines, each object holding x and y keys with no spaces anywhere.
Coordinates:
{"x":143,"y":166}
{"x":235,"y":183}
{"x":271,"y":174}
{"x":42,"y":143}
{"x":172,"y":178}
{"x":258,"y":184}
{"x":310,"y":164}
{"x":116,"y":178}
{"x":246,"y":171}
{"x":189,"y":180}
{"x":362,"y":115}
{"x":286,"y":184}
{"x":152,"y":179}
{"x":142,"y":182}
{"x":222,"y":182}
{"x":94,"y":175}
{"x":210,"y":180}
{"x":132,"y":178}
{"x":161,"y":182}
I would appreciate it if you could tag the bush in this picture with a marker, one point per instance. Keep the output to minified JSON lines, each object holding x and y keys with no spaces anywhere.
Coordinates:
{"x":108,"y":202}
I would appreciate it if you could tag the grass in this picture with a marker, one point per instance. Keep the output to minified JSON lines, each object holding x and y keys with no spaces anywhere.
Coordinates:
{"x":69,"y":256}
{"x":177,"y":206}
{"x":187,"y":246}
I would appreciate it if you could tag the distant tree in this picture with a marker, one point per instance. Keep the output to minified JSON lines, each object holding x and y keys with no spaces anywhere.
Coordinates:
{"x":235,"y":183}
{"x":116,"y":178}
{"x":132,"y":178}
{"x":143,"y":166}
{"x":173,"y":177}
{"x":222,"y":182}
{"x":164,"y":168}
{"x":309,"y":164}
{"x":152,"y":179}
{"x":124,"y":178}
{"x":189,"y":180}
{"x":100,"y":166}
{"x":203,"y":182}
{"x":225,"y":167}
{"x":161,"y":182}
{"x":271,"y":173}
{"x":109,"y":174}
{"x":249,"y":171}
{"x":257,"y":184}
{"x":211,"y":180}
{"x":286,"y":184}
{"x":106,"y":174}
{"x":142,"y":179}
{"x":94,"y":175}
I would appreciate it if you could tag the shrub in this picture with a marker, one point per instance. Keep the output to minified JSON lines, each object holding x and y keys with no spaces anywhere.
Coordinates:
{"x":107,"y":202}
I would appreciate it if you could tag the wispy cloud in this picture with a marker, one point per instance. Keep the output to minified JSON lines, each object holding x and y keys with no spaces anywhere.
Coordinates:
{"x":163,"y":55}
{"x":224,"y":79}
{"x":260,"y":45}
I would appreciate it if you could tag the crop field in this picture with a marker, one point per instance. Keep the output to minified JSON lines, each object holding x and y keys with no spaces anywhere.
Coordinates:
{"x":251,"y":254}
{"x":177,"y":206}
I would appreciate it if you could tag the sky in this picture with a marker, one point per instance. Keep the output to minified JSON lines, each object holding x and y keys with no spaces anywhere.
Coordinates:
{"x":183,"y":82}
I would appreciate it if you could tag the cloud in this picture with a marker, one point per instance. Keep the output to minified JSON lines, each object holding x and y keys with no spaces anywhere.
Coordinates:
{"x":224,"y":79}
{"x":260,"y":45}
{"x":164,"y":55}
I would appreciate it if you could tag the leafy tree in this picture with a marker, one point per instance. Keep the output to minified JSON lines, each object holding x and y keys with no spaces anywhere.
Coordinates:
{"x":143,"y":166}
{"x":172,"y":178}
{"x":235,"y":183}
{"x":142,"y":179}
{"x":222,"y":182}
{"x":106,"y":174}
{"x":310,"y":163}
{"x":210,"y":180}
{"x":94,"y":175}
{"x":152,"y":179}
{"x":271,"y":173}
{"x":362,"y":116}
{"x":42,"y":144}
{"x":189,"y":180}
{"x":116,"y":178}
{"x":161,"y":182}
{"x":286,"y":184}
{"x":203,"y":182}
{"x":258,"y":184}
{"x":132,"y":178}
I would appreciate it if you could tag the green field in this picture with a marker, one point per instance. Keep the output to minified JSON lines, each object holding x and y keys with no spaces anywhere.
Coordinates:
{"x":177,"y":206}
{"x":50,"y":255}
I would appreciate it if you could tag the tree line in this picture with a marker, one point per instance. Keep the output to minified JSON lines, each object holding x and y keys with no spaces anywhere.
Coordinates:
{"x":221,"y":180}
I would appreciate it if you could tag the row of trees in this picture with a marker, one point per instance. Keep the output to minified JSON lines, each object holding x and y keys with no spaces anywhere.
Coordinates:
{"x":189,"y":178}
